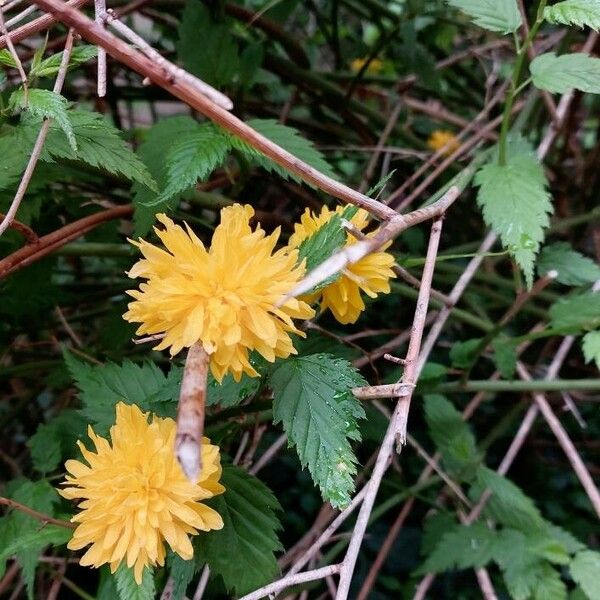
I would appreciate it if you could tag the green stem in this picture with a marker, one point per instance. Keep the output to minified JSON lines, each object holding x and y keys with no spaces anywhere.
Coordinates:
{"x":484,"y":385}
{"x":514,"y":82}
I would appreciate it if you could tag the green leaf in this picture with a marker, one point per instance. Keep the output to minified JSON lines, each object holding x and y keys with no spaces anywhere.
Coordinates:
{"x":434,"y":528}
{"x":462,"y":353}
{"x":582,"y":13}
{"x":289,"y":139}
{"x":101,"y":387}
{"x":54,"y":441}
{"x":516,"y":204}
{"x":193,"y":158}
{"x":128,"y":588}
{"x":549,"y":585}
{"x":577,"y":312}
{"x":231,"y":392}
{"x":521,"y":568}
{"x":591,"y":347}
{"x":585,"y":568}
{"x":218,"y":63}
{"x":51,"y":65}
{"x":158,"y":138}
{"x":452,"y":437}
{"x":573,"y":267}
{"x":6,"y":59}
{"x":45,"y":104}
{"x":463,"y":547}
{"x":561,"y":74}
{"x":505,"y":357}
{"x":242,"y":553}
{"x":99,"y":145}
{"x":312,"y":397}
{"x":502,"y":16}
{"x":507,"y":504}
{"x":182,"y":572}
{"x":22,"y":534}
{"x":323,"y":243}
{"x":14,"y":159}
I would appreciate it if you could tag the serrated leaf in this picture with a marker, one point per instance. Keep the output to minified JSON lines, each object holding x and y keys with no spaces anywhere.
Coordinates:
{"x":505,"y":357}
{"x":193,"y":158}
{"x":99,"y":145}
{"x":182,"y":572}
{"x":516,"y":204}
{"x":585,"y":568}
{"x":51,"y":65}
{"x":502,"y":16}
{"x":289,"y":139}
{"x":463,"y":547}
{"x":323,"y":243}
{"x":157,"y":139}
{"x":218,"y":63}
{"x":573,"y":267}
{"x":462,"y":353}
{"x":127,"y":587}
{"x":14,"y":159}
{"x":577,"y":312}
{"x":54,"y":441}
{"x":312,"y":398}
{"x":231,"y":392}
{"x":434,"y":528}
{"x":549,"y":585}
{"x":582,"y":13}
{"x":6,"y":59}
{"x":452,"y":437}
{"x":591,"y":347}
{"x":242,"y":553}
{"x":508,"y":504}
{"x":102,"y":386}
{"x":45,"y":104}
{"x":560,"y":74}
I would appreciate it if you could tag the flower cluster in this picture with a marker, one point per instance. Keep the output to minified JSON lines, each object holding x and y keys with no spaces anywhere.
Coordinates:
{"x":225,"y":297}
{"x":134,"y":495}
{"x":370,"y":275}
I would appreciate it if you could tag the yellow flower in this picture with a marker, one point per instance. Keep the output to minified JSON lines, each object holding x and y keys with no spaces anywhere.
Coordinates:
{"x":375,"y":66}
{"x":135,"y":495}
{"x":370,"y":274}
{"x":441,"y":138}
{"x":225,"y":297}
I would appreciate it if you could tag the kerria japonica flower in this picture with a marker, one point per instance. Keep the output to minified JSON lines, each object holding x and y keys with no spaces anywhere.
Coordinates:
{"x":225,"y":297}
{"x":370,"y":275}
{"x":134,"y":495}
{"x":442,"y":138}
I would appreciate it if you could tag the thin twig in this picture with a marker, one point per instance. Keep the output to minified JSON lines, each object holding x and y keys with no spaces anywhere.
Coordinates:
{"x":15,"y":56}
{"x":99,"y":11}
{"x":22,"y":15}
{"x":45,"y":519}
{"x":290,"y":580}
{"x":397,"y":426}
{"x":109,"y":16}
{"x":29,"y":234}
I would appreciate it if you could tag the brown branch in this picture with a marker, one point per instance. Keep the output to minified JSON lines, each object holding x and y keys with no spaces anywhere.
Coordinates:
{"x":190,"y":412}
{"x":187,"y":93}
{"x":31,"y":237}
{"x":45,"y":519}
{"x":51,"y":242}
{"x":39,"y":24}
